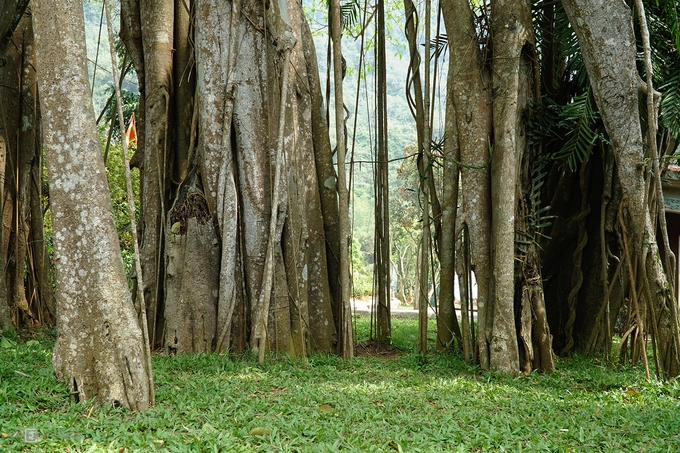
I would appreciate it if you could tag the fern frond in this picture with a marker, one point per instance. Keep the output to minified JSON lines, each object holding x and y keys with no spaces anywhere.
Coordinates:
{"x":350,"y":14}
{"x":670,"y":102}
{"x":579,"y":120}
{"x":440,"y":44}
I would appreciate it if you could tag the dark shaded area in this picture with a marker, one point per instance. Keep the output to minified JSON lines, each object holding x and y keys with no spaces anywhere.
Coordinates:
{"x":11,"y":12}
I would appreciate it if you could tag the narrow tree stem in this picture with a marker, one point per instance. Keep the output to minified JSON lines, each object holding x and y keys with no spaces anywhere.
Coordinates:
{"x":266,"y":291}
{"x":131,"y":208}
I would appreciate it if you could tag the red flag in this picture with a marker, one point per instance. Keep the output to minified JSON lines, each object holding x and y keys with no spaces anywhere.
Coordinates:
{"x":131,"y":134}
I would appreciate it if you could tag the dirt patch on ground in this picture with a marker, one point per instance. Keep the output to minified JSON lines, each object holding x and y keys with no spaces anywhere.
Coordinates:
{"x":377,"y":350}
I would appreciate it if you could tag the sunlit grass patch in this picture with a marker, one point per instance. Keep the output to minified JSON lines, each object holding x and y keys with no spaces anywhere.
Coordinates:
{"x":415,"y":403}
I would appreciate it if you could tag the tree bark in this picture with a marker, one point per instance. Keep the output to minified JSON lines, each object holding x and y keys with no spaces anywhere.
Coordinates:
{"x":99,"y":350}
{"x":157,"y":19}
{"x":346,"y":337}
{"x":5,"y":315}
{"x":382,"y":209}
{"x":606,"y":37}
{"x":510,"y":34}
{"x":326,"y":176}
{"x":469,"y":89}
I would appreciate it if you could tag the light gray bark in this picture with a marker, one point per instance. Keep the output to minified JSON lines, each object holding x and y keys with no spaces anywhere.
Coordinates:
{"x":192,"y":273}
{"x":606,"y":37}
{"x":273,"y":263}
{"x":99,"y":350}
{"x":469,"y":89}
{"x":215,"y":22}
{"x":510,"y":34}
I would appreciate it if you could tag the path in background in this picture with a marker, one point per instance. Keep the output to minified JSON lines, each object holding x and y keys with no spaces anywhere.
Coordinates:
{"x":363,"y":307}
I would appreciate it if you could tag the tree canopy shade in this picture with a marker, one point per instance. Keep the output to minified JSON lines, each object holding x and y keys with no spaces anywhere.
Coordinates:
{"x":545,"y":186}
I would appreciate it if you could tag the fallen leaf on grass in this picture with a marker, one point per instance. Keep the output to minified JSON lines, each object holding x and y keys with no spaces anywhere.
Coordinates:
{"x":260,"y":431}
{"x":4,"y":435}
{"x":326,"y":408}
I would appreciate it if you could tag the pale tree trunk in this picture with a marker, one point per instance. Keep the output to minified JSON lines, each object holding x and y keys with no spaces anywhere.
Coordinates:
{"x":606,"y":37}
{"x":227,"y":275}
{"x":305,"y":236}
{"x":273,"y":288}
{"x":510,"y":35}
{"x":192,"y":272}
{"x":99,"y":350}
{"x":346,"y":337}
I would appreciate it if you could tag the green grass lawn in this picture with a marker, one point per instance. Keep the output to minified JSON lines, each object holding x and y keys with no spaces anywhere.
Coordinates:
{"x":406,"y":403}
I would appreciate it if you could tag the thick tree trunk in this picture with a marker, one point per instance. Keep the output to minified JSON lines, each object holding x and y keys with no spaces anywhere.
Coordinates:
{"x":99,"y":349}
{"x":215,"y":57}
{"x":274,"y":282}
{"x":469,"y":89}
{"x":192,"y":274}
{"x":306,"y":202}
{"x":607,"y":40}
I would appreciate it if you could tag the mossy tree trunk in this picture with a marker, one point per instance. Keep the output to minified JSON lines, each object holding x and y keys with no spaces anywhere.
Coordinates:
{"x":99,"y":350}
